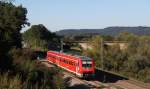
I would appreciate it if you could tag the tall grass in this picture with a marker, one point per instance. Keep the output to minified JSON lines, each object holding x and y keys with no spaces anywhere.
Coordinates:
{"x":10,"y":82}
{"x":31,"y":75}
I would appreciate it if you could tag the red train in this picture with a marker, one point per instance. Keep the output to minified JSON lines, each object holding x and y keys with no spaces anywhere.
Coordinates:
{"x":79,"y":65}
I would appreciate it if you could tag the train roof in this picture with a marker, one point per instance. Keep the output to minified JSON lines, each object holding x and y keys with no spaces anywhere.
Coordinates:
{"x":74,"y":56}
{"x":85,"y":58}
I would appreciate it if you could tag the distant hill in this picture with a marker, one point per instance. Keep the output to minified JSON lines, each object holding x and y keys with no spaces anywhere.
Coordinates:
{"x":112,"y":31}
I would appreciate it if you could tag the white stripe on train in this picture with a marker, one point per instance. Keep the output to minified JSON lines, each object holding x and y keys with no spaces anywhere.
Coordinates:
{"x":80,"y":75}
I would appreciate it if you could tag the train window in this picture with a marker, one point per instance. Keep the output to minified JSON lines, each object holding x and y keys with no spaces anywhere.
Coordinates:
{"x":71,"y":63}
{"x":65,"y":61}
{"x":86,"y":64}
{"x":68,"y":62}
{"x":56,"y":57}
{"x":76,"y":64}
{"x":62,"y":59}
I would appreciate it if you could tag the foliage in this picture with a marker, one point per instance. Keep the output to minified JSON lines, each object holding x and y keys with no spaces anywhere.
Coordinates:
{"x":7,"y":0}
{"x":37,"y":78}
{"x":18,"y":69}
{"x":134,"y":61}
{"x":38,"y":37}
{"x":7,"y":82}
{"x":34,"y":75}
{"x":12,"y":19}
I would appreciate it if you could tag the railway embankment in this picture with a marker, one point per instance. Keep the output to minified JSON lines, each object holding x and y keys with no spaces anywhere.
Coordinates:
{"x":102,"y":80}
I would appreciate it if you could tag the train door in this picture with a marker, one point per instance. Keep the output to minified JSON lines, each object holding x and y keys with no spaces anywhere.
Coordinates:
{"x":77,"y":68}
{"x":53,"y":59}
{"x":58,"y":60}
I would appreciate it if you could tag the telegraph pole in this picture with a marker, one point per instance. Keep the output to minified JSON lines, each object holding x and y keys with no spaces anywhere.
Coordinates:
{"x":101,"y":53}
{"x":61,"y":49}
{"x":102,"y":58}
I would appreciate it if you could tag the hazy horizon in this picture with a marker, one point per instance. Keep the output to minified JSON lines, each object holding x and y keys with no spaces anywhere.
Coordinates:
{"x":87,"y":14}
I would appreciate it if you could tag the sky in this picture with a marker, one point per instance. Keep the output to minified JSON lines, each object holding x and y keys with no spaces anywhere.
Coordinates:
{"x":87,"y":14}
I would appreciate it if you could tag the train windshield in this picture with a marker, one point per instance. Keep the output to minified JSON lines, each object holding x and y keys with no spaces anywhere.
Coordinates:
{"x":86,"y":62}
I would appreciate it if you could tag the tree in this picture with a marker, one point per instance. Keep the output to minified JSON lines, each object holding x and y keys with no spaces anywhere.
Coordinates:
{"x":7,"y":0}
{"x":38,"y":37}
{"x":134,"y":61}
{"x":95,"y":52}
{"x":12,"y":19}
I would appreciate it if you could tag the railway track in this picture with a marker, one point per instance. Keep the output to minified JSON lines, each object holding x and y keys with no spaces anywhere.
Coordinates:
{"x":91,"y":84}
{"x":94,"y":84}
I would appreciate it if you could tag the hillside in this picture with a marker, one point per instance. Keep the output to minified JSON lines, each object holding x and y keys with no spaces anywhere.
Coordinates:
{"x":112,"y":31}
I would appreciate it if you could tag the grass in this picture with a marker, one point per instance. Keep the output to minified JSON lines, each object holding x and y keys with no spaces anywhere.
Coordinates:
{"x":10,"y":82}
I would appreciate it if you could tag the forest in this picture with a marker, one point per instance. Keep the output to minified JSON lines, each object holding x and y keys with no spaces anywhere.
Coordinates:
{"x":109,"y":31}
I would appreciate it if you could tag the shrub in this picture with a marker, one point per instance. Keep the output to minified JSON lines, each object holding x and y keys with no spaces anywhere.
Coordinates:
{"x":34,"y":75}
{"x":132,"y":61}
{"x":10,"y":82}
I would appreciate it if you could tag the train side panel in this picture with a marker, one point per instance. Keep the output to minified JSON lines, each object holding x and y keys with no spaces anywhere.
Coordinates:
{"x":71,"y":65}
{"x":68,"y":63}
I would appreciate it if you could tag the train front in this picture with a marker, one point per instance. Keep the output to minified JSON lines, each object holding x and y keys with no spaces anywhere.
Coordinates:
{"x":87,"y":67}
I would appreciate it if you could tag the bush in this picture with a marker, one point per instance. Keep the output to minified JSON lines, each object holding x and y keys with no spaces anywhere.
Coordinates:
{"x":10,"y":82}
{"x":34,"y":75}
{"x":132,"y":61}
